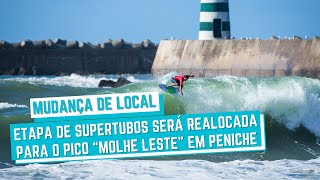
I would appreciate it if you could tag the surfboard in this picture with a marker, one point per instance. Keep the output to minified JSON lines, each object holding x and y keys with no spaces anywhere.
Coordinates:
{"x":170,"y":90}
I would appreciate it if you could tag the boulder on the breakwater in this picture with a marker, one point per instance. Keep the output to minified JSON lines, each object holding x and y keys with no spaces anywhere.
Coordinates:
{"x":5,"y":44}
{"x":49,"y":43}
{"x":27,"y":44}
{"x":60,"y":43}
{"x":109,"y":83}
{"x":39,"y":44}
{"x":72,"y":44}
{"x":148,"y":44}
{"x":107,"y":44}
{"x":118,"y":43}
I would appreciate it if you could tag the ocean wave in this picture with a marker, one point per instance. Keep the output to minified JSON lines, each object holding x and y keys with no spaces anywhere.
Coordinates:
{"x":293,"y":101}
{"x":5,"y":105}
{"x":291,"y":104}
{"x":74,"y":80}
{"x":187,"y":169}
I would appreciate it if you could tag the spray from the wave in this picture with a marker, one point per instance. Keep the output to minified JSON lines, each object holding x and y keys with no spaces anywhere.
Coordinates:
{"x":73,"y":80}
{"x":293,"y":101}
{"x":291,"y":104}
{"x":5,"y":105}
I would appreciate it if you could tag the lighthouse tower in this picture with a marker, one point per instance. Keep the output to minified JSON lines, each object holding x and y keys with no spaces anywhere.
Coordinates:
{"x":214,"y":20}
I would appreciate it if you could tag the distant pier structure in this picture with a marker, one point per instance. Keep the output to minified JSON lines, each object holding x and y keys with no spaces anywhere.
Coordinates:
{"x":214,"y":20}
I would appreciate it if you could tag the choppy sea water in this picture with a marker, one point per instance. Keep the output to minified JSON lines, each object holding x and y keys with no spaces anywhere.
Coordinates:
{"x":291,"y":105}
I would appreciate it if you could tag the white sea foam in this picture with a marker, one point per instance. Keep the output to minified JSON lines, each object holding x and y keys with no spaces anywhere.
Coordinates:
{"x":74,"y":80}
{"x":5,"y":105}
{"x":165,"y":79}
{"x":293,"y":101}
{"x":187,"y":169}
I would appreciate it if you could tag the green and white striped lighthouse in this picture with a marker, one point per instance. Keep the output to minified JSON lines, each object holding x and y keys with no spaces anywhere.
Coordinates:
{"x":214,"y":20}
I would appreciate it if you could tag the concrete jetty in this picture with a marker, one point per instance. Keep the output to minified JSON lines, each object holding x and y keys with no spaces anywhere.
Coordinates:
{"x":205,"y":58}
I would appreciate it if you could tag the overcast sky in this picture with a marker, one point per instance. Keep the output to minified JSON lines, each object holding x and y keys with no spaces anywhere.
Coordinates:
{"x":134,"y":21}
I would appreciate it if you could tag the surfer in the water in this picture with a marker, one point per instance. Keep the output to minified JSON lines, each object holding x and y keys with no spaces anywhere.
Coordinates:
{"x":178,"y":81}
